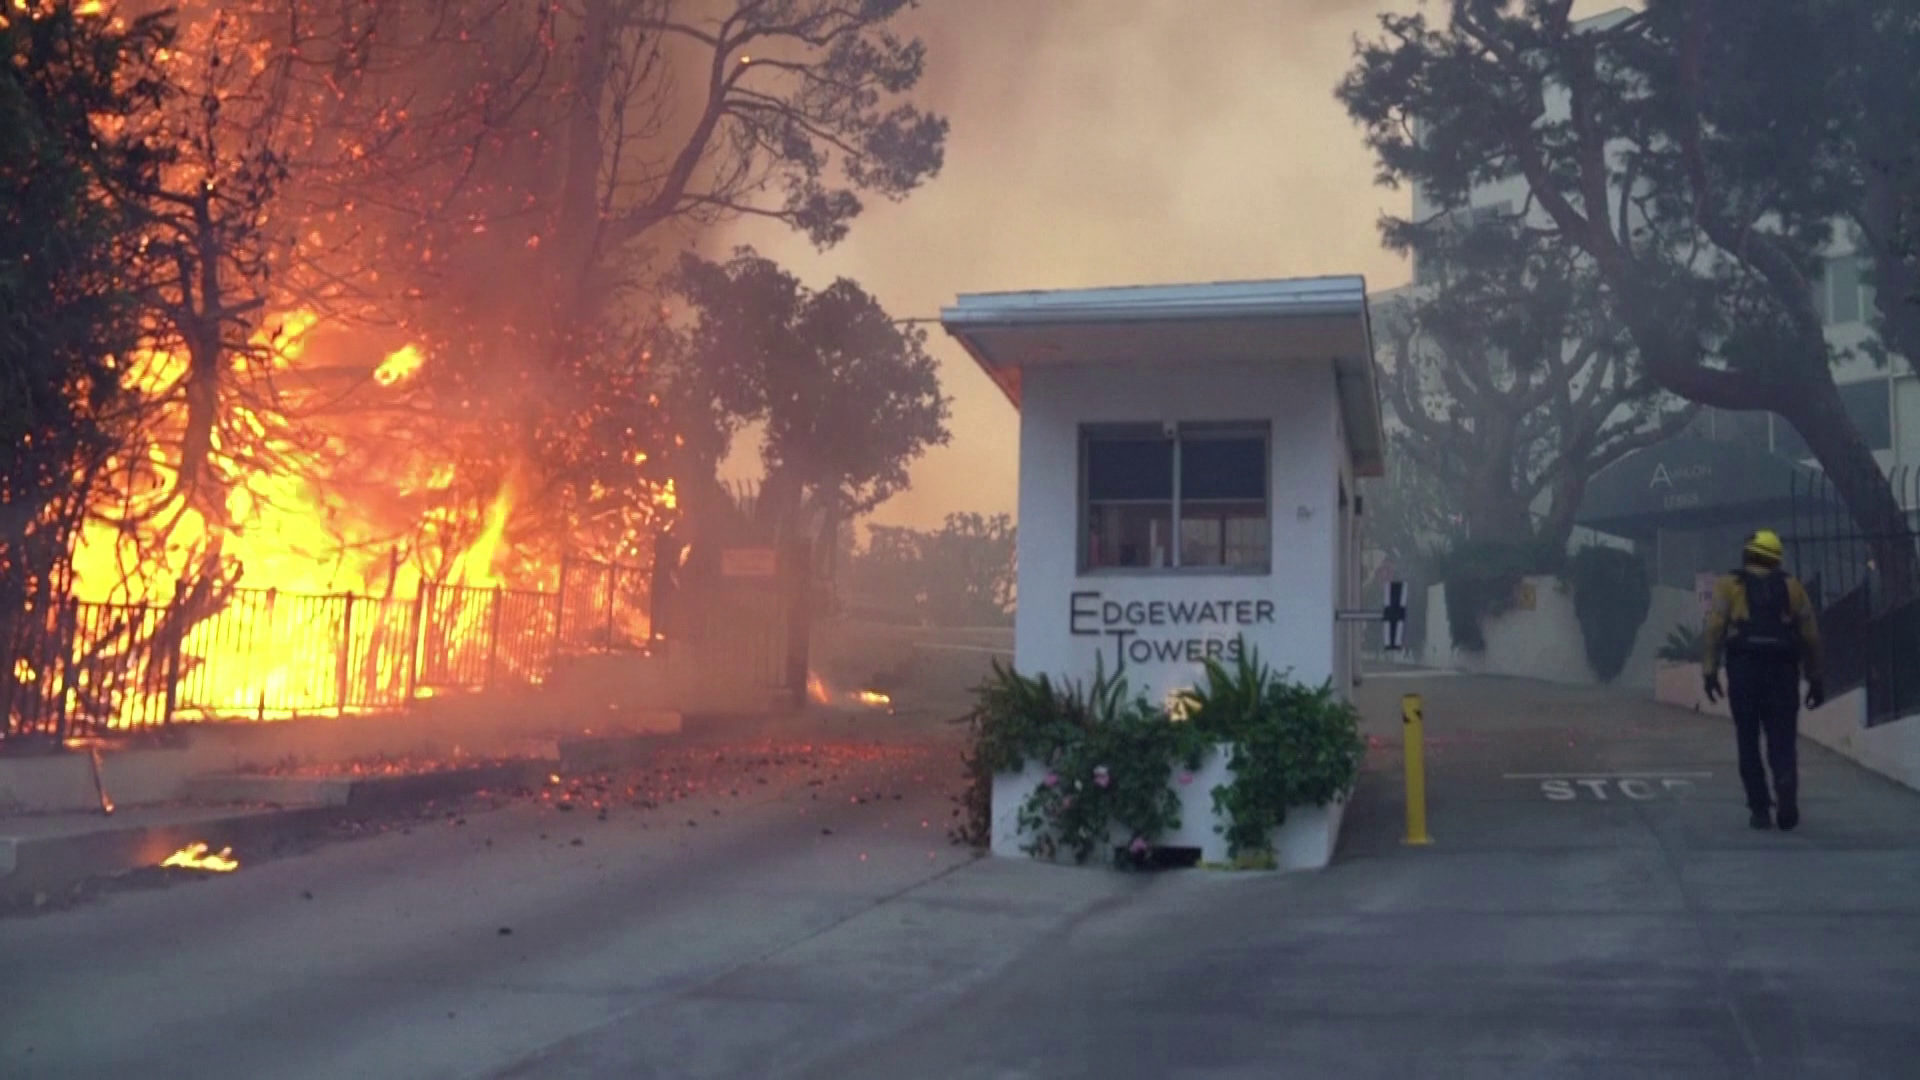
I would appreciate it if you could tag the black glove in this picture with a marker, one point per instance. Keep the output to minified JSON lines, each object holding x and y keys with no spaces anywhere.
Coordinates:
{"x":1816,"y":694}
{"x":1711,"y":684}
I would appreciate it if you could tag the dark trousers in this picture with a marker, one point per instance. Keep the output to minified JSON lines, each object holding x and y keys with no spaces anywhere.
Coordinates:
{"x":1763,"y":694}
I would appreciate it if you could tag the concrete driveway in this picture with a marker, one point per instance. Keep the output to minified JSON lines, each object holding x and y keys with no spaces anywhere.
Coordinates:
{"x":1594,"y":905}
{"x":781,"y":903}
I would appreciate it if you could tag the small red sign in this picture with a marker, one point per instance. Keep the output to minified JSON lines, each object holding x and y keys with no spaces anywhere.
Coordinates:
{"x":747,"y":562}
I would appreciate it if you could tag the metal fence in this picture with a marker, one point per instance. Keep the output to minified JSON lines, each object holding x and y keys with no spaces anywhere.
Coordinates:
{"x":1869,"y":621}
{"x":608,"y":606}
{"x":84,"y":669}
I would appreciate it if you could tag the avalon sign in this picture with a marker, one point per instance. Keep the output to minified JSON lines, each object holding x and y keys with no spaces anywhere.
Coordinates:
{"x":1665,"y":477}
{"x":1687,"y":475}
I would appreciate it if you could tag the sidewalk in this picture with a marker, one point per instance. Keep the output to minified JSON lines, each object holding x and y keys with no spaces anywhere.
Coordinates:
{"x":1594,"y":905}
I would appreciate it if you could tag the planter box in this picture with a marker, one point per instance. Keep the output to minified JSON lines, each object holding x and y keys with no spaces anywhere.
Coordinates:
{"x":1305,"y":842}
{"x":1679,"y":684}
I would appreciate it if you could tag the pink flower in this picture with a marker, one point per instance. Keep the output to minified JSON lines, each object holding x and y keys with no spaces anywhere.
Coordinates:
{"x":1052,"y":780}
{"x":1066,"y":803}
{"x":1139,"y":845}
{"x":1186,"y":778}
{"x":1100,"y":776}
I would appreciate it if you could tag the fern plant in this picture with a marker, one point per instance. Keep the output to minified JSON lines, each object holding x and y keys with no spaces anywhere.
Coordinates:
{"x":1230,"y":699}
{"x":1684,"y":645}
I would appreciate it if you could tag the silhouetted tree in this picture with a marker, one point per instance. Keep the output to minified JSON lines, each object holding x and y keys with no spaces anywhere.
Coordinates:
{"x":72,"y":89}
{"x":1510,"y":381}
{"x":1687,"y":153}
{"x":961,"y":574}
{"x":845,"y":397}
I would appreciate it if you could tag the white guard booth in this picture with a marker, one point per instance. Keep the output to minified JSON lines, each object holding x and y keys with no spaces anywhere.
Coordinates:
{"x":1188,"y":462}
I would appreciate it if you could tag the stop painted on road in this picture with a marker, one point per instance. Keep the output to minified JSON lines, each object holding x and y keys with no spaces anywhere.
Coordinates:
{"x":1605,"y":787}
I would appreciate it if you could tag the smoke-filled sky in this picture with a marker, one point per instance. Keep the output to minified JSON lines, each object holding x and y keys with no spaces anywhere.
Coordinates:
{"x":1113,"y":142}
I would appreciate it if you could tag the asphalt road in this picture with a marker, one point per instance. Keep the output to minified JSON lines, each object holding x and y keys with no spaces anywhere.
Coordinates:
{"x":477,"y":941}
{"x":785,"y":904}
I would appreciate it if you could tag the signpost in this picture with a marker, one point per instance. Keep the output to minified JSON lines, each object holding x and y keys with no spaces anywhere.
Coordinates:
{"x":1393,"y":614}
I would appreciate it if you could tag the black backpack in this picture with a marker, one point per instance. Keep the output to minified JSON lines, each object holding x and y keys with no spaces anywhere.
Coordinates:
{"x":1770,"y":628}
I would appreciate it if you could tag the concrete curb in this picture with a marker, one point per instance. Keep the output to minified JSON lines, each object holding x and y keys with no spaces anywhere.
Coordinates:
{"x":55,"y":864}
{"x":280,"y":809}
{"x":285,"y":808}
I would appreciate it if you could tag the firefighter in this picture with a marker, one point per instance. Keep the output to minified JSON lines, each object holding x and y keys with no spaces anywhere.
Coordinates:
{"x":1763,"y":623}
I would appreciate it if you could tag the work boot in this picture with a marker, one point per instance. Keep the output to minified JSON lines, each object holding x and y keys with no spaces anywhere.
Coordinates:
{"x":1760,"y":819}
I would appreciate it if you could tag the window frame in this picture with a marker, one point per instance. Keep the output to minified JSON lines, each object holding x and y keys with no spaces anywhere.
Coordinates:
{"x":1830,"y":291}
{"x":1094,"y":431}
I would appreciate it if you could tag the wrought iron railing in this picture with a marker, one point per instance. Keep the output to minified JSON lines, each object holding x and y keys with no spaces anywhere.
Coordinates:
{"x":1869,"y":624}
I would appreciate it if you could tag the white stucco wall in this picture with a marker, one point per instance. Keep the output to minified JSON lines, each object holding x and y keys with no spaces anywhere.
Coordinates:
{"x":1546,"y":643}
{"x":1287,"y":614}
{"x":1891,"y":749}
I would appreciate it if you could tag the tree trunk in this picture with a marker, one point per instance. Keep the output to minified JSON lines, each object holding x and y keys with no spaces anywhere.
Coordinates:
{"x":1817,"y":414}
{"x":1807,"y":399}
{"x":1495,"y":512}
{"x":1498,"y":517}
{"x":1556,"y":530}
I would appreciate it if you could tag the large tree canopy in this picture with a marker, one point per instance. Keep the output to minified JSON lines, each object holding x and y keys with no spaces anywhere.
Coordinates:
{"x":961,"y":574}
{"x":845,"y":396}
{"x":1690,"y":152}
{"x":1509,"y":384}
{"x":479,"y":194}
{"x":72,"y":90}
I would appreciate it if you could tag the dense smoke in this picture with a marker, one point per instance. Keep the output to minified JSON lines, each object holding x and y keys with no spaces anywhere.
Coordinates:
{"x":1099,"y":143}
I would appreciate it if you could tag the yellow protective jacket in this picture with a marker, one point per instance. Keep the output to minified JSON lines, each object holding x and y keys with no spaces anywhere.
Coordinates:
{"x":1730,"y":608}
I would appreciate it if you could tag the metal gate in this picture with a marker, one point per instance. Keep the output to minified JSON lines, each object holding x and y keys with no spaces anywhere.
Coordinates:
{"x":1870,"y":629}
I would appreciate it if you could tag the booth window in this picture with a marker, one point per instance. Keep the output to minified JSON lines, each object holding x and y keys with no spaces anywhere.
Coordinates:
{"x":1195,"y":498}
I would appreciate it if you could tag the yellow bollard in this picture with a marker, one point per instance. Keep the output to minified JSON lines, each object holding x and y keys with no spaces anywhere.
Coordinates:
{"x":1412,"y":736}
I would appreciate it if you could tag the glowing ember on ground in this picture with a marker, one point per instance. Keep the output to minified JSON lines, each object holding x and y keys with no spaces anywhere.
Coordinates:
{"x":195,"y":856}
{"x":377,"y":765}
{"x":820,"y":694}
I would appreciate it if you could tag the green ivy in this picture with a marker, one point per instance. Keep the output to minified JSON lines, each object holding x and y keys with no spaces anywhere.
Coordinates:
{"x":1292,"y":745}
{"x":1116,"y":784}
{"x":1611,"y":598}
{"x":1110,"y":757}
{"x":1016,"y":718}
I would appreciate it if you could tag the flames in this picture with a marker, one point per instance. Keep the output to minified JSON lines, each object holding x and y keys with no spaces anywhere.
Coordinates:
{"x":820,"y":694}
{"x":274,"y":520}
{"x":198,"y":856}
{"x":325,"y":580}
{"x":399,"y":365}
{"x":332,"y":526}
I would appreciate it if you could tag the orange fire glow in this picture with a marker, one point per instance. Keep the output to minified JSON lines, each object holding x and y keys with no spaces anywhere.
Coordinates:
{"x":196,"y":856}
{"x":399,"y":365}
{"x":283,"y":530}
{"x":308,"y":491}
{"x":820,"y":694}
